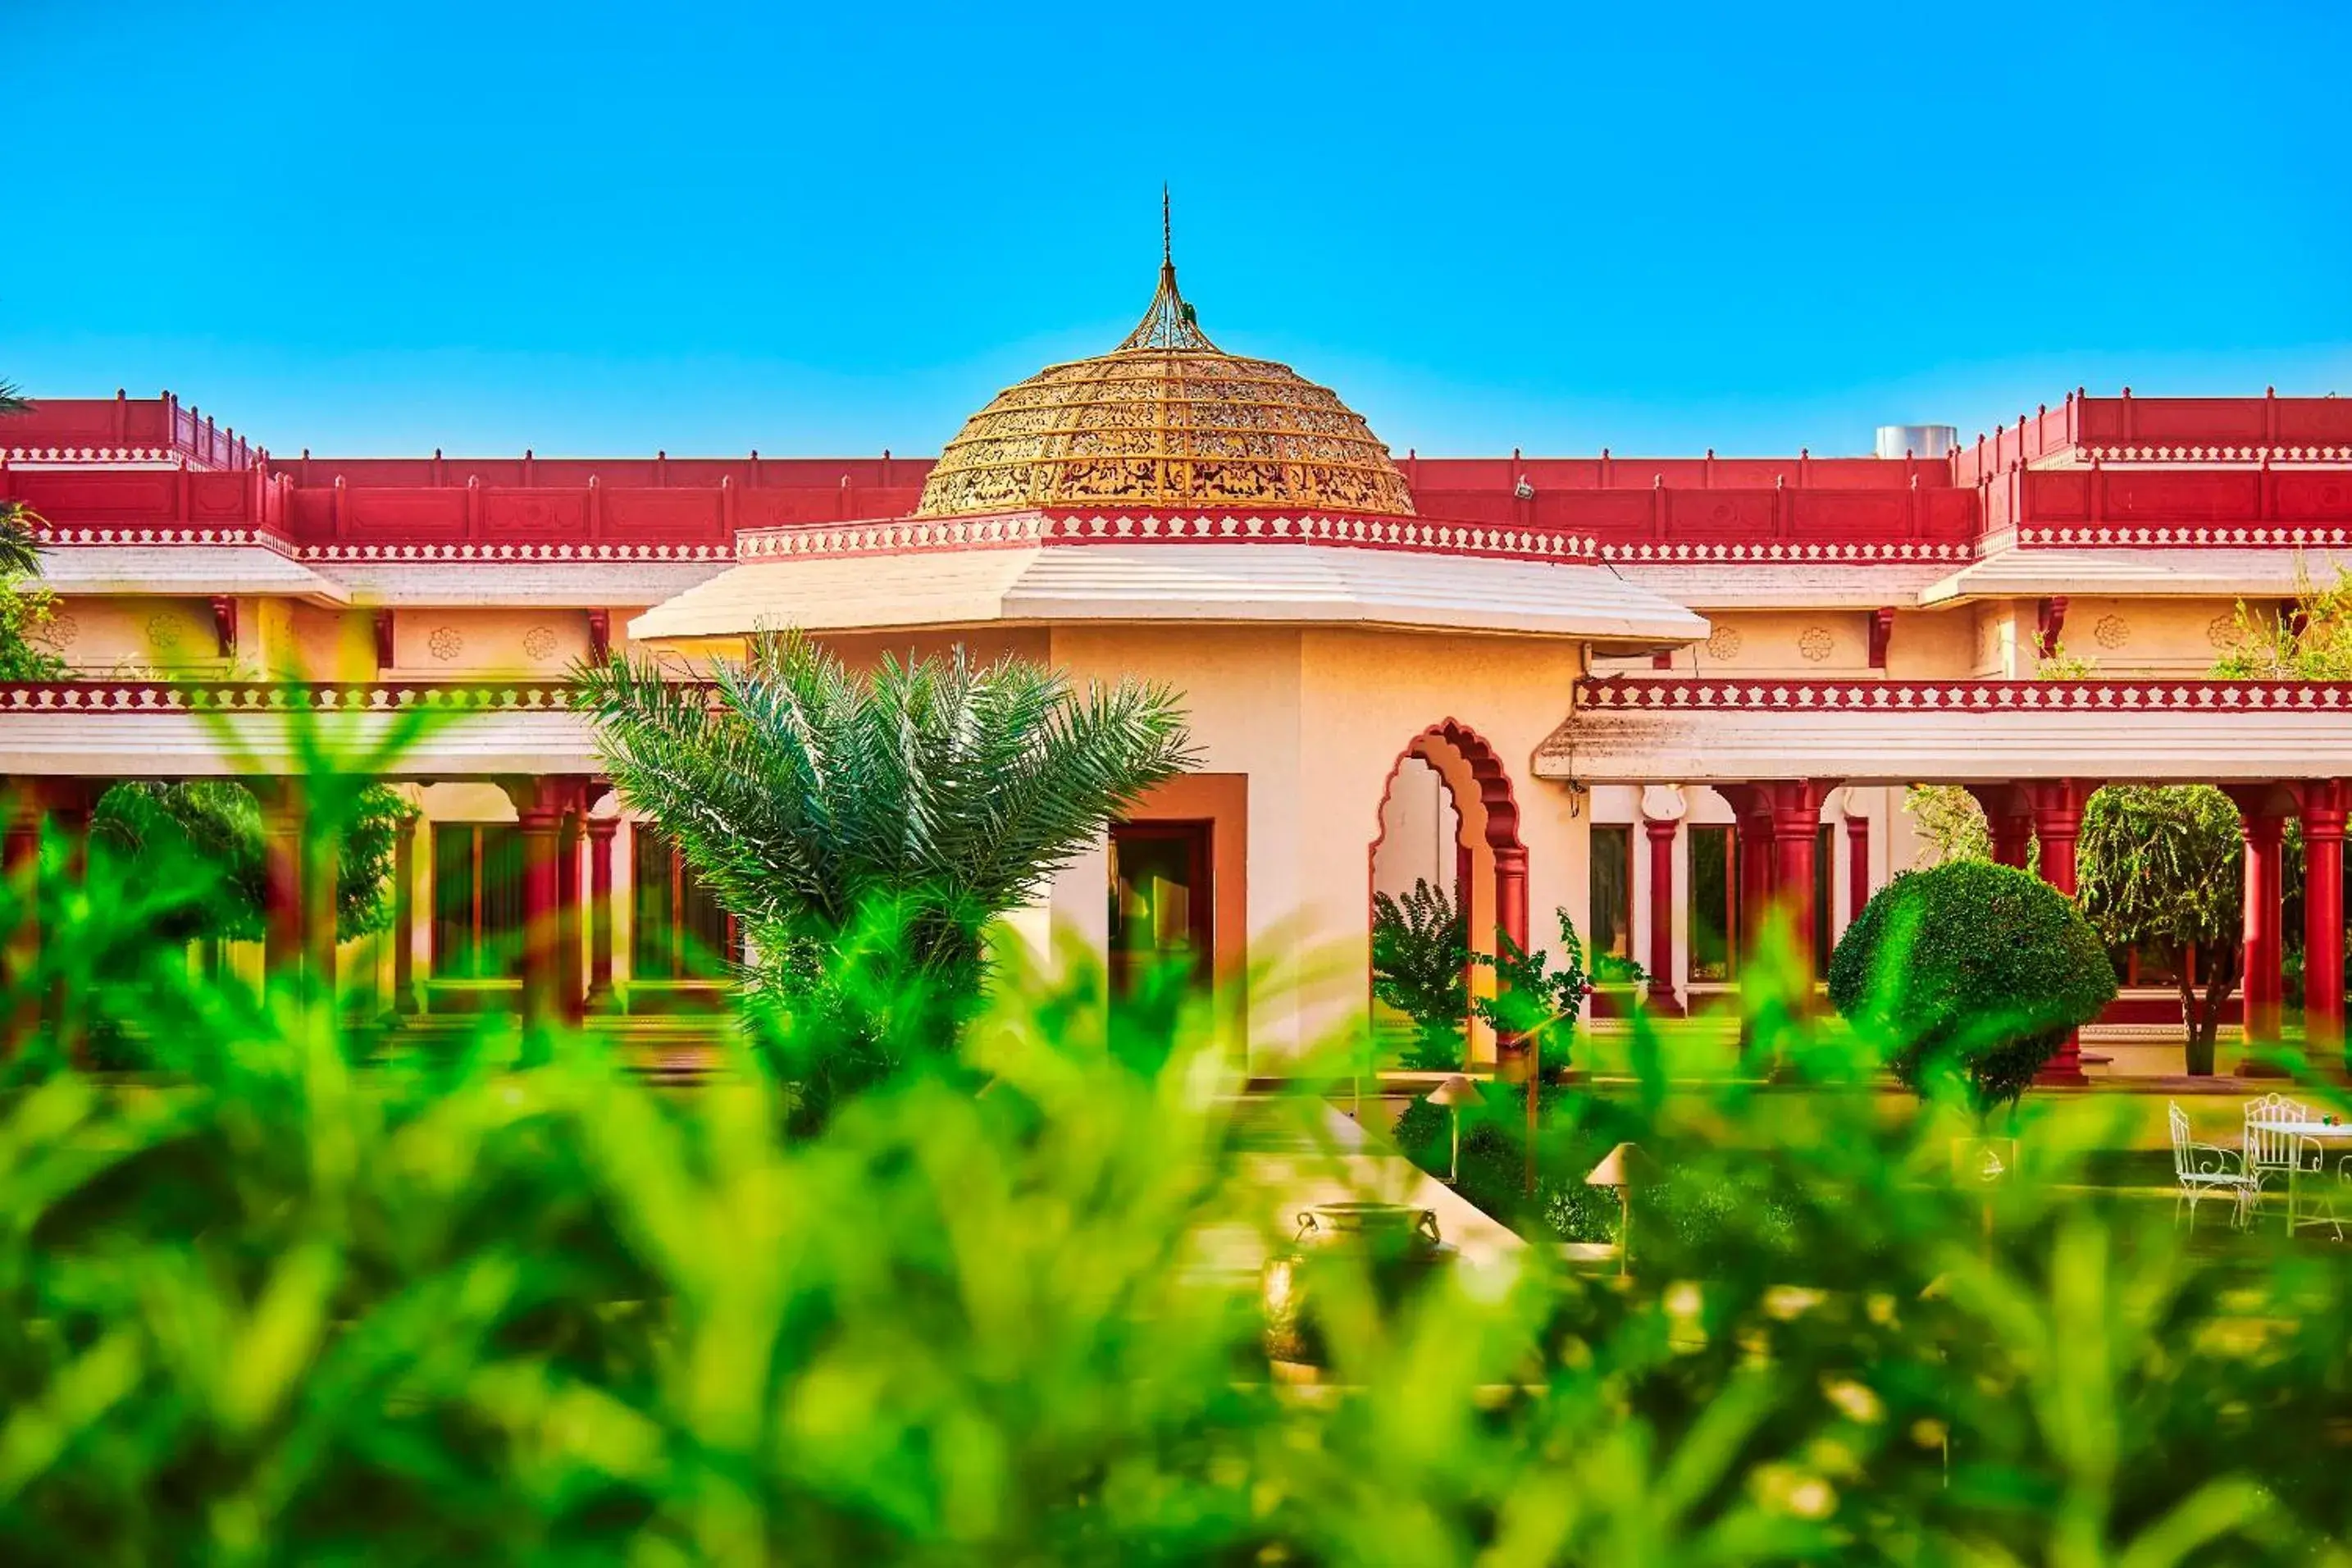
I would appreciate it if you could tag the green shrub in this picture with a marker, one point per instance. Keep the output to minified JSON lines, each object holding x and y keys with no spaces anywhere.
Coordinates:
{"x":1421,"y":960}
{"x":1970,"y":967}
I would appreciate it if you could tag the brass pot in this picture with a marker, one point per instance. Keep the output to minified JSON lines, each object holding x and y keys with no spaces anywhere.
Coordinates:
{"x":1396,"y":1244}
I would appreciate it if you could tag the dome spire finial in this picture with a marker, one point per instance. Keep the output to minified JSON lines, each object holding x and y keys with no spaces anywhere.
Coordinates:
{"x":1169,"y":323}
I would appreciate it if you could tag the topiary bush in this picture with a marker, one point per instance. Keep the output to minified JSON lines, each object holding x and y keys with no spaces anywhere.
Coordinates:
{"x":1971,"y":966}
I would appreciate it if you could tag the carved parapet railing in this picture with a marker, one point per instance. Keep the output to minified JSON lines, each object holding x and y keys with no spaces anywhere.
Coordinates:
{"x":1435,"y":536}
{"x":100,"y":697}
{"x":1785,"y":552}
{"x":1628,"y":694}
{"x":2086,"y":536}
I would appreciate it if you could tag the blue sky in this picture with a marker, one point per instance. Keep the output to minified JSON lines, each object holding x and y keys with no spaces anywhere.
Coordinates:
{"x":588,"y":227}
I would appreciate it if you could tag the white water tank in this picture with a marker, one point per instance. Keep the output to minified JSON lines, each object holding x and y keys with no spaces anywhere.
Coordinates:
{"x":1919,"y":440}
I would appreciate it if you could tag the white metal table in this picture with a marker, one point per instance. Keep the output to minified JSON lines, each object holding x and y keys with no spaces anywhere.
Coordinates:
{"x":2322,"y":1133}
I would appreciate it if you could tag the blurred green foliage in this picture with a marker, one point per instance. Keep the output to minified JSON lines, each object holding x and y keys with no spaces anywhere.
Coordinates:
{"x":288,"y":1299}
{"x":211,"y":828}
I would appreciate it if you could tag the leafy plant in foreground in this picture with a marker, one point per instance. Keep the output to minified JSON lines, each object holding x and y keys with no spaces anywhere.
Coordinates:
{"x":270,"y":1305}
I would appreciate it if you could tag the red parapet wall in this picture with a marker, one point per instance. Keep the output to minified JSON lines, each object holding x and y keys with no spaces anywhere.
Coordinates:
{"x":126,"y":428}
{"x":146,"y":498}
{"x":1500,"y":476}
{"x":2128,"y":428}
{"x":2175,"y":497}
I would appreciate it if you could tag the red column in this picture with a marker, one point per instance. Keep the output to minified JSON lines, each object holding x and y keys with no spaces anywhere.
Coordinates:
{"x":403,"y":919}
{"x":69,"y":802}
{"x":2057,"y":807}
{"x":2265,"y":985}
{"x":1796,"y":834}
{"x":1511,"y":893}
{"x":539,"y":822}
{"x":567,"y":912}
{"x":284,"y":811}
{"x":2009,"y":816}
{"x":318,"y":877}
{"x":1661,"y":914}
{"x":540,"y":806}
{"x":1857,"y":864}
{"x":601,"y":831}
{"x":20,"y":860}
{"x":2326,"y":804}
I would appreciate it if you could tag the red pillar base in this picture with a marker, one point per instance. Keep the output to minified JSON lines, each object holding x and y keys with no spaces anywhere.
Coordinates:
{"x":2064,"y":1070}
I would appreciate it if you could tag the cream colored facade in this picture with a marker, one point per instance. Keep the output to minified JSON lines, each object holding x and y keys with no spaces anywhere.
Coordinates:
{"x":1379,"y":696}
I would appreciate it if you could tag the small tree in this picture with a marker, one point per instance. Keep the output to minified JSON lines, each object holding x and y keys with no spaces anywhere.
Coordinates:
{"x":1973,"y":968}
{"x":26,"y":607}
{"x":1421,"y":961}
{"x":2311,"y":642}
{"x":1950,"y":821}
{"x":2162,"y":868}
{"x":1531,"y":1002}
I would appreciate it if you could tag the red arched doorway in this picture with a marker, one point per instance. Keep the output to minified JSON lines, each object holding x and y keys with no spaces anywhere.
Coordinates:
{"x":1489,"y":878}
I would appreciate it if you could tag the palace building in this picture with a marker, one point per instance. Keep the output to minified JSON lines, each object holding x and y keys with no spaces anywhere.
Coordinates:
{"x":1661,"y":694}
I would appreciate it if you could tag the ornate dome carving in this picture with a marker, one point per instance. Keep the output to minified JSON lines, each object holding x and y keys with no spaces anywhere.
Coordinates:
{"x":1165,"y":420}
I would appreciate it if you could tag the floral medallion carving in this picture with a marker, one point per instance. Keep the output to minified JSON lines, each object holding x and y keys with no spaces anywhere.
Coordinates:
{"x":2112,"y":631}
{"x":2221,"y":631}
{"x":1816,"y":643}
{"x":164,"y":631}
{"x":445,"y":643}
{"x":58,"y":632}
{"x":1723,"y":642}
{"x":540,"y":643}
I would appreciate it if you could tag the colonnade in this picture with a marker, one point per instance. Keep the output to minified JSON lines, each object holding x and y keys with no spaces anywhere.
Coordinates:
{"x":299,"y":887}
{"x":1778,"y":822}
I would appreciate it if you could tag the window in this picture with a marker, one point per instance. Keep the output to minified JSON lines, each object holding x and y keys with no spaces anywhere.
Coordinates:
{"x":476,"y":901}
{"x":1714,"y":881}
{"x":1612,"y":892}
{"x":678,"y":932}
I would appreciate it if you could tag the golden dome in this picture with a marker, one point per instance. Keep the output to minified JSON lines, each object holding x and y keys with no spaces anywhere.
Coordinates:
{"x":1165,"y":420}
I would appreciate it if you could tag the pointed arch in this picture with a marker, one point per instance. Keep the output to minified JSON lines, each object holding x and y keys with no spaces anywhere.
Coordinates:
{"x":1491,"y":858}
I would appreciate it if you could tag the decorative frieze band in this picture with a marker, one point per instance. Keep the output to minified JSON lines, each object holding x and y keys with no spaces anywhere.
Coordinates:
{"x":69,"y":535}
{"x":585,"y":551}
{"x":1654,"y":553}
{"x":95,"y":455}
{"x":256,"y":537}
{"x":2204,"y":536}
{"x":2217,"y":454}
{"x":1622,"y":693}
{"x":911,"y":534}
{"x":99,"y":697}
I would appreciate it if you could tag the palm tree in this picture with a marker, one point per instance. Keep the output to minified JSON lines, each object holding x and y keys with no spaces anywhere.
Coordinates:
{"x":866,"y":828}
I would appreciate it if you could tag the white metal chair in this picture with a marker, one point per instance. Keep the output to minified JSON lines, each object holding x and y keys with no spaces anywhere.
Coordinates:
{"x":2276,"y":1154}
{"x":2205,"y":1170}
